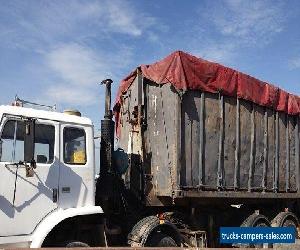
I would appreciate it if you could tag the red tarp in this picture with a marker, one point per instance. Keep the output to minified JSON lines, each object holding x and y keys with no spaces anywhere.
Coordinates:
{"x":185,"y":71}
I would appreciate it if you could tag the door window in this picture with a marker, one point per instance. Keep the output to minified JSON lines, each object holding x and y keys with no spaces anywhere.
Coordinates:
{"x":74,"y":146}
{"x":44,"y":143}
{"x":12,"y":141}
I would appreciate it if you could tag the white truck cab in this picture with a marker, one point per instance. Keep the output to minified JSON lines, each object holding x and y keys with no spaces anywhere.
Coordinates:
{"x":56,"y":187}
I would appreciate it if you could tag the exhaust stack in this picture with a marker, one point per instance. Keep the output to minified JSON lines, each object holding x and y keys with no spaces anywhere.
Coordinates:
{"x":107,"y":134}
{"x":108,"y":112}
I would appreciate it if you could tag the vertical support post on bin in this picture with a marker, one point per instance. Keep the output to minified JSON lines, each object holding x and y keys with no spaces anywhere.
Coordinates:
{"x":265,"y":163}
{"x":297,"y":153}
{"x":237,"y":147}
{"x":276,"y":169}
{"x":220,"y":173}
{"x":287,"y":167}
{"x":252,"y":149}
{"x":201,"y":141}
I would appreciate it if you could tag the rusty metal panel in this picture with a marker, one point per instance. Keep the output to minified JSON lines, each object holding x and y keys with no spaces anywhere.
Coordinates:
{"x":186,"y":141}
{"x":129,"y":140}
{"x":154,"y":131}
{"x":211,"y":139}
{"x":190,"y":139}
{"x":259,"y":122}
{"x":271,"y":149}
{"x":282,"y":152}
{"x":129,"y":101}
{"x":125,"y":125}
{"x":162,"y":137}
{"x":229,"y":140}
{"x":245,"y":141}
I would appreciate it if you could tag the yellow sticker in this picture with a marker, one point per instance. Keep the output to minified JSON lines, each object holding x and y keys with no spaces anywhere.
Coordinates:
{"x":78,"y":157}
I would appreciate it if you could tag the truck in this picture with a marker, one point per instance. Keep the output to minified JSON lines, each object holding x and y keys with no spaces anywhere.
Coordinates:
{"x":193,"y":146}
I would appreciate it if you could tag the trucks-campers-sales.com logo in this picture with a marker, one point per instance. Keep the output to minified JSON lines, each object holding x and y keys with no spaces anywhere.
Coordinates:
{"x":257,"y":235}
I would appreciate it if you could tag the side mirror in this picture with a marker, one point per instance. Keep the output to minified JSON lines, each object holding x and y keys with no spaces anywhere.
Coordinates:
{"x":29,"y":142}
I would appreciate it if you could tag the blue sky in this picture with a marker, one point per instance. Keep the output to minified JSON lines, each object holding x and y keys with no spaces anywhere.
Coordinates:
{"x":57,"y":51}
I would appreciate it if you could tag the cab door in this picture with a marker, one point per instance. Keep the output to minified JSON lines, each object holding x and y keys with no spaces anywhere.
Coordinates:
{"x":25,"y":201}
{"x":76,"y":179}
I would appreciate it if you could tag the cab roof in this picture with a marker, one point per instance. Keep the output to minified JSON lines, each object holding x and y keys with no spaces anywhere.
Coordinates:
{"x":43,"y":114}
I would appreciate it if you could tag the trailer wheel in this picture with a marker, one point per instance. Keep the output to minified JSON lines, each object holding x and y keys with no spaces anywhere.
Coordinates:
{"x":159,"y":239}
{"x":286,"y":219}
{"x":256,"y":220}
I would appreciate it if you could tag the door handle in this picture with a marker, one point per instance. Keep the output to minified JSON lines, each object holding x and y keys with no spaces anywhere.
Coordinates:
{"x":54,"y":195}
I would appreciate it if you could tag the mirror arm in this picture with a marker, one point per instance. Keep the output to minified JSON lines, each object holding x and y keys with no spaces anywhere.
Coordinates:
{"x":29,"y":142}
{"x":33,"y":164}
{"x":1,"y":148}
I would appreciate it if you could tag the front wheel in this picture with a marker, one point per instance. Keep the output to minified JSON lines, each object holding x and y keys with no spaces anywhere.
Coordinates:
{"x":75,"y":244}
{"x":158,"y":239}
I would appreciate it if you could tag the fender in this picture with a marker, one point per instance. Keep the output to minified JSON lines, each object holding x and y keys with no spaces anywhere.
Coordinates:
{"x":54,"y":218}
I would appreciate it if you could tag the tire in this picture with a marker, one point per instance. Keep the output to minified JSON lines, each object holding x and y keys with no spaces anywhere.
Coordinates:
{"x":256,"y":220}
{"x":161,"y":240}
{"x":148,"y":231}
{"x":75,"y":244}
{"x":289,"y":223}
{"x":286,"y":219}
